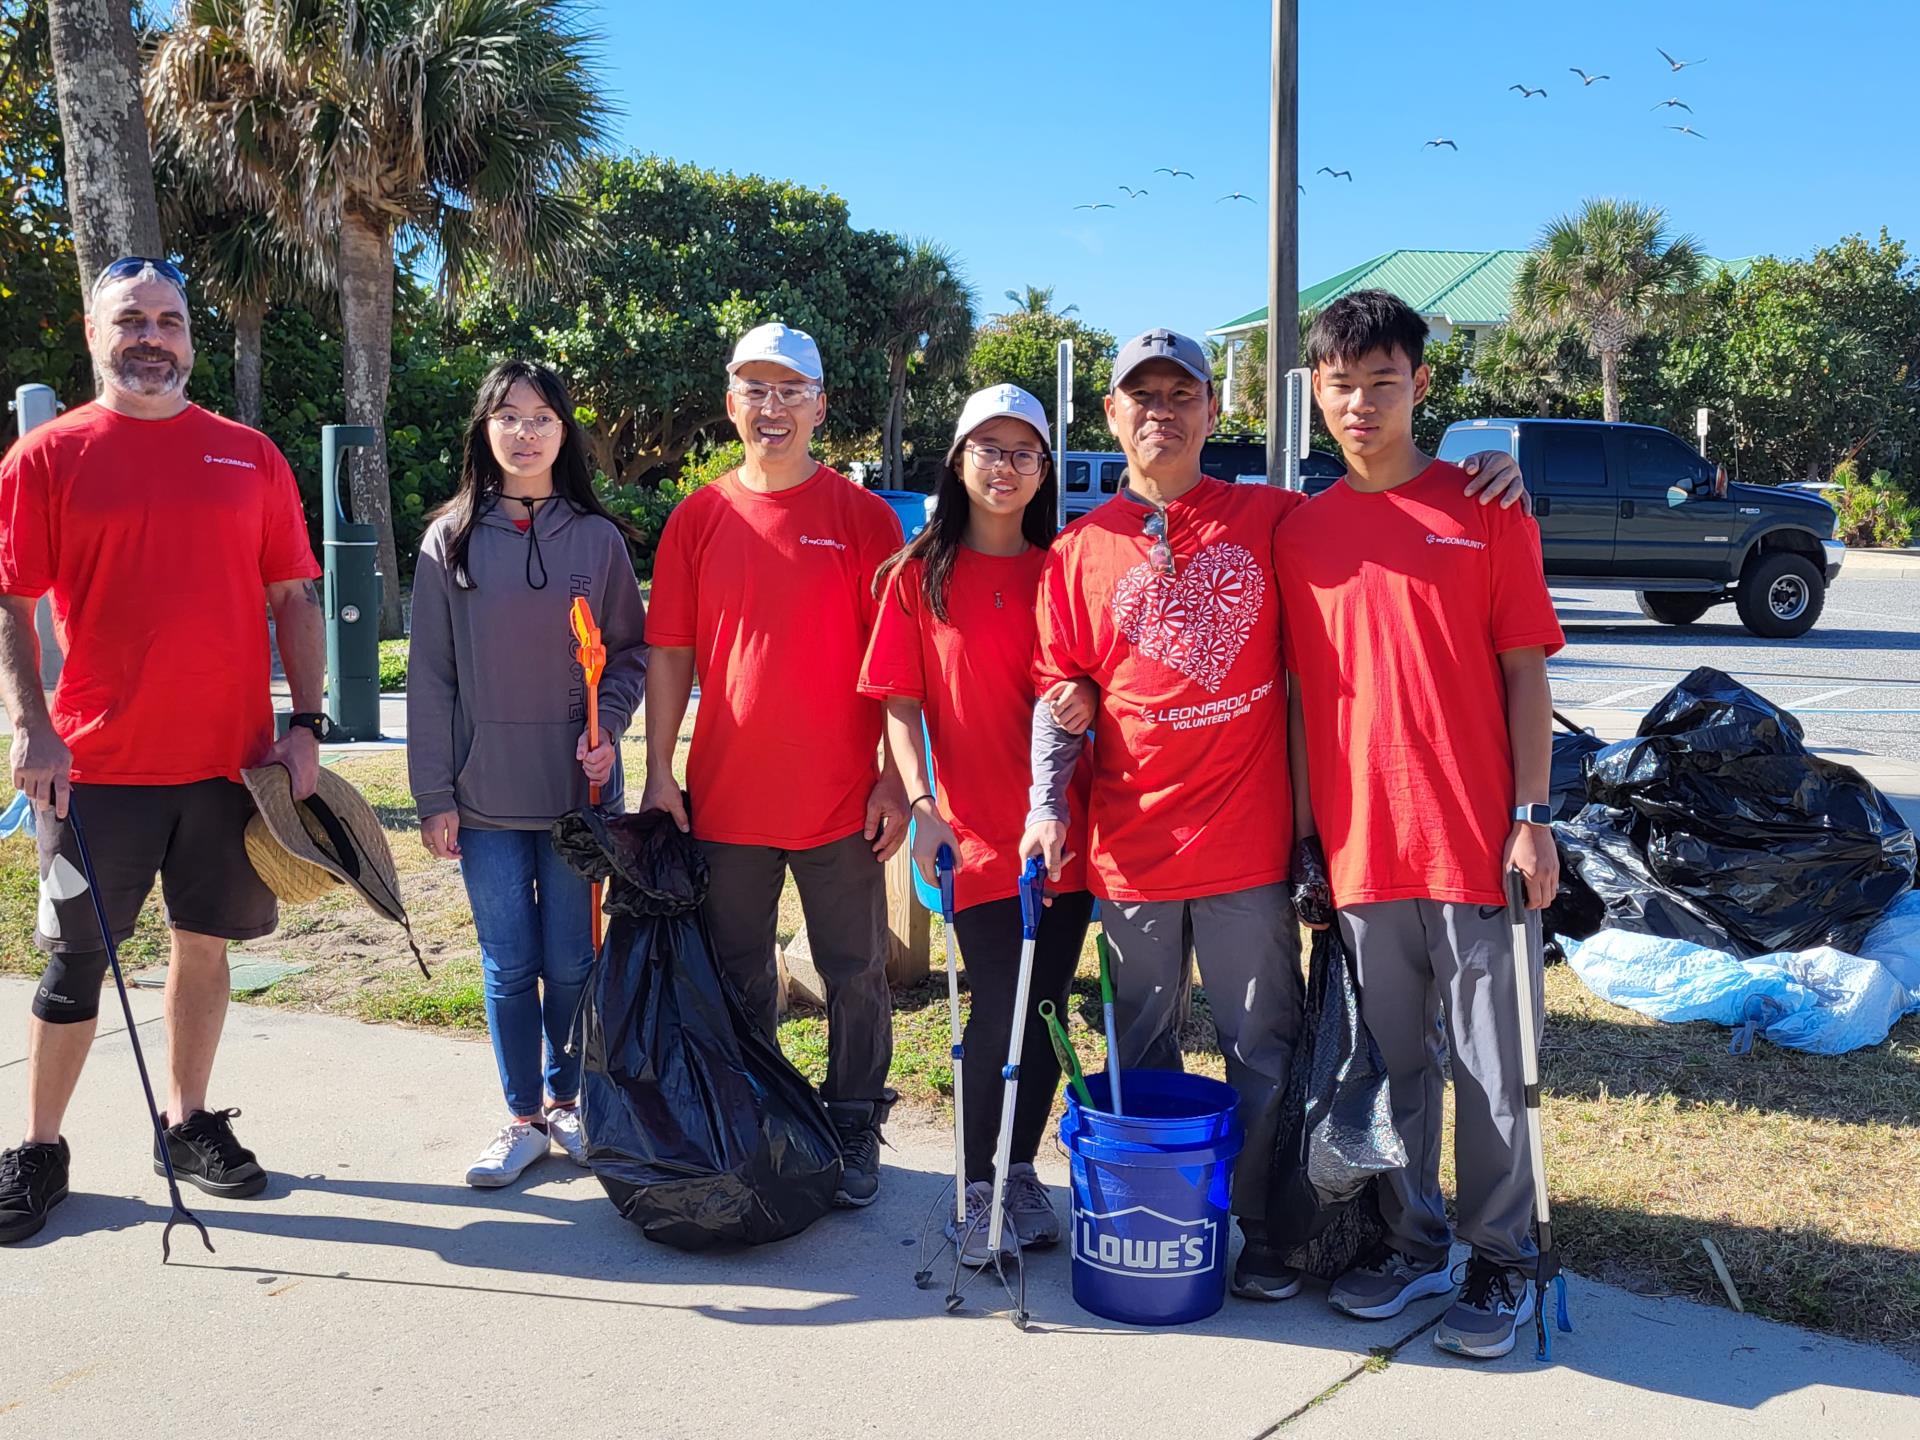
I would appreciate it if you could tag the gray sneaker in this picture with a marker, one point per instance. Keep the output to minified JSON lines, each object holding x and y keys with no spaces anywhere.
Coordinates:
{"x":1385,"y":1282}
{"x":1261,"y":1272}
{"x":1495,"y":1300}
{"x":1031,"y":1209}
{"x":972,"y":1237}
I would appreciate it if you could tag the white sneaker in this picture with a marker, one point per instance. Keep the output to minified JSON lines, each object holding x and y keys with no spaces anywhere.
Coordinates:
{"x":516,"y":1147}
{"x":564,"y":1128}
{"x":972,"y":1237}
{"x":1031,"y":1208}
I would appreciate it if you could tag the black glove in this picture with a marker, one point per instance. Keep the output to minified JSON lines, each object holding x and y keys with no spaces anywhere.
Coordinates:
{"x":1312,"y":894}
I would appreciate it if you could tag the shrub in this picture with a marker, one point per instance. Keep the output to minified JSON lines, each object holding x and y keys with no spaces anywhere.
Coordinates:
{"x":1873,"y":511}
{"x":393,"y":666}
{"x":646,"y":507}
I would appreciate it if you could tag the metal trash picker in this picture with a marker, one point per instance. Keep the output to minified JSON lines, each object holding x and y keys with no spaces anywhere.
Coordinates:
{"x":1547,"y":1268}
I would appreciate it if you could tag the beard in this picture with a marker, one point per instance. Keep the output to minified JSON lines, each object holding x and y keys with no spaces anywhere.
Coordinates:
{"x":135,"y":369}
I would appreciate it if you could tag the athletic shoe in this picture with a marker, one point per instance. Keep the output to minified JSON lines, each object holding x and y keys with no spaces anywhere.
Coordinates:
{"x":563,"y":1125}
{"x":972,"y":1237}
{"x":1495,"y":1300}
{"x":1031,"y":1209}
{"x":205,"y":1152}
{"x":1262,"y":1272}
{"x":1385,"y":1282}
{"x":858,"y":1124}
{"x":516,"y":1147}
{"x":33,"y":1179}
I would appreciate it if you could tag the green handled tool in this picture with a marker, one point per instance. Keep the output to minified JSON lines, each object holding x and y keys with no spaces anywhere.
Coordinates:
{"x":1063,"y":1052}
{"x":1106,"y":1006}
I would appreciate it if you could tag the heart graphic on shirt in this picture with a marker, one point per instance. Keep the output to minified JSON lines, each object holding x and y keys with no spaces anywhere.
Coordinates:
{"x":1197,"y":621}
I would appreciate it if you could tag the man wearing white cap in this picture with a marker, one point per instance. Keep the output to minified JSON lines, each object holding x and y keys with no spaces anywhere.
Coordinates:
{"x":763,"y":588}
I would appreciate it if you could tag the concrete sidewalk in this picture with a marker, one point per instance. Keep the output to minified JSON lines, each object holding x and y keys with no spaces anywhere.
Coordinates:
{"x":369,"y":1292}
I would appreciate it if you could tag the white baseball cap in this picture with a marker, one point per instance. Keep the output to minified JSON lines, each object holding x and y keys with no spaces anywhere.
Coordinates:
{"x":778,"y":344}
{"x":992,"y":403}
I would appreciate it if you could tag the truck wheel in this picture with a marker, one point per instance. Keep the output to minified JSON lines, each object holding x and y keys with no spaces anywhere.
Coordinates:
{"x":1780,"y":596}
{"x":1673,"y":609}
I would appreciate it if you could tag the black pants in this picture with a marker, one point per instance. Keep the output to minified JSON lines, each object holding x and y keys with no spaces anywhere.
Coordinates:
{"x":989,"y":937}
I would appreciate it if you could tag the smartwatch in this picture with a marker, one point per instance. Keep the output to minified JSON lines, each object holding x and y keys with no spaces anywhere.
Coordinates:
{"x":316,"y":721}
{"x":1534,"y":814}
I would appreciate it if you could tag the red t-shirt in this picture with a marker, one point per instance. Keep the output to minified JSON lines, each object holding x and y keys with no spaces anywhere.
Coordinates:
{"x":775,"y":595}
{"x":1398,"y":605}
{"x":155,"y":538}
{"x":1190,"y":790}
{"x":969,"y":673}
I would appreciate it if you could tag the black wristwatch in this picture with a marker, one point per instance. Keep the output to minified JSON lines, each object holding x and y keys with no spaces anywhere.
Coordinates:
{"x":317,"y":721}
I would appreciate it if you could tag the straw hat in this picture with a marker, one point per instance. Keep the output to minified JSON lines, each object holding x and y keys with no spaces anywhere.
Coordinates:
{"x":303,"y":849}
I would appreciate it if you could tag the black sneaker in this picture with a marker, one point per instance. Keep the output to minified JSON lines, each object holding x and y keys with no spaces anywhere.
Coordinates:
{"x":1262,"y":1272}
{"x":33,"y":1179}
{"x":858,"y":1123}
{"x":205,"y":1151}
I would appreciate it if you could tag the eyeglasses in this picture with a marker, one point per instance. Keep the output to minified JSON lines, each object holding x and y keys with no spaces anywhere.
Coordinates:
{"x":1160,"y":553}
{"x":128,"y":265}
{"x":756,"y":394}
{"x":1024,"y":462}
{"x":538,"y":426}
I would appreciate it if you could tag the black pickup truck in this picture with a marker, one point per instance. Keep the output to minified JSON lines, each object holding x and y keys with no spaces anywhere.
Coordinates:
{"x":1632,"y":507}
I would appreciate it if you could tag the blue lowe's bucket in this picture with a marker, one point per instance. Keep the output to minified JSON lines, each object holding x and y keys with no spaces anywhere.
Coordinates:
{"x":1150,"y":1223}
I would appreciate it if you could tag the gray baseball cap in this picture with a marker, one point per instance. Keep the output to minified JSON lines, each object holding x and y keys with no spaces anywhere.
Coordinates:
{"x":1188,"y":354}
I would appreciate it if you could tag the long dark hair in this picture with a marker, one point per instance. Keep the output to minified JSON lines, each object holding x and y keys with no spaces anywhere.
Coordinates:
{"x":938,"y":544}
{"x":480,"y":476}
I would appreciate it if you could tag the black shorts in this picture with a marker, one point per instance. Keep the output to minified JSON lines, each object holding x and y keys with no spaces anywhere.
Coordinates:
{"x":191,"y":836}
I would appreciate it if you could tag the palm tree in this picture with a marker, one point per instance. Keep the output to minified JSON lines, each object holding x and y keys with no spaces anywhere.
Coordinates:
{"x":929,"y":334}
{"x":448,"y":124}
{"x":109,"y":176}
{"x":1611,"y":273}
{"x":1037,"y":300}
{"x":1522,"y":368}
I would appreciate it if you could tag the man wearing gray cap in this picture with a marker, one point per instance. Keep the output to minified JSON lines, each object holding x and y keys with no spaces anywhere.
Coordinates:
{"x":1165,"y":598}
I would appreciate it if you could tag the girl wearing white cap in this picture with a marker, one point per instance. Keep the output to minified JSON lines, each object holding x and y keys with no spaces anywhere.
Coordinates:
{"x":953,"y":646}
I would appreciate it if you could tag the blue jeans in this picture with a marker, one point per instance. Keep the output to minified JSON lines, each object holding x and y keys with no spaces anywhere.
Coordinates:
{"x":534,"y":917}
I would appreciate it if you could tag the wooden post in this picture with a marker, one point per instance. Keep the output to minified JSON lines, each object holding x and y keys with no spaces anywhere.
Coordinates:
{"x":909,"y":936}
{"x":1283,"y":222}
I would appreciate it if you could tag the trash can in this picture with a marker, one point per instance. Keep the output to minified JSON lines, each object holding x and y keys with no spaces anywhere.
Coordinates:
{"x":1151,"y":1229}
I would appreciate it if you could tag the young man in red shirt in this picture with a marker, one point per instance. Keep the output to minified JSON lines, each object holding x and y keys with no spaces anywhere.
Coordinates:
{"x":763,"y":587}
{"x":1164,"y":597}
{"x":161,"y":531}
{"x":1418,"y":627}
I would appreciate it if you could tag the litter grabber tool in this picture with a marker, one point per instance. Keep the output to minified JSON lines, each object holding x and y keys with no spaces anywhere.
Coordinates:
{"x":943,"y":868}
{"x":592,"y":655}
{"x":1106,"y":1010}
{"x":180,"y":1211}
{"x":1063,"y":1052}
{"x":1547,"y":1268}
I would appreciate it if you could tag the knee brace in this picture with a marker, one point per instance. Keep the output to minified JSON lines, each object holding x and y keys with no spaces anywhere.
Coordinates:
{"x":70,"y":988}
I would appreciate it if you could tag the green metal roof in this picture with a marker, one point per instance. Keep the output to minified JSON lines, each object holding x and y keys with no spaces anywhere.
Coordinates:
{"x":1465,"y":287}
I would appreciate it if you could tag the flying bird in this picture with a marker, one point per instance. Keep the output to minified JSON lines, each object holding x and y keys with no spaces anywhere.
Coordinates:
{"x":1687,"y":130}
{"x":1585,"y":78}
{"x":1448,"y":143}
{"x":1238,"y":195}
{"x":1163,"y":170}
{"x":1347,"y":175}
{"x":1103,"y":205}
{"x":1674,"y":103}
{"x":1132,"y":194}
{"x":1303,"y":189}
{"x":1525,"y":93}
{"x":1678,"y":65}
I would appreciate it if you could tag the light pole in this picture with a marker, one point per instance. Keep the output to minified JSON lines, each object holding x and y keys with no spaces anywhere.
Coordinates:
{"x":1283,"y":226}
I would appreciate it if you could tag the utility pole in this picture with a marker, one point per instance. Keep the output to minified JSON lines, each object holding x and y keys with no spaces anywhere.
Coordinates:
{"x":1283,"y":227}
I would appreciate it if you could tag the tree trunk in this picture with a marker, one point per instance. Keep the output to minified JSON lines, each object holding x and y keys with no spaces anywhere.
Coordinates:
{"x":366,"y":313}
{"x":247,"y":321}
{"x":1610,"y":385}
{"x":895,"y":468}
{"x":109,"y":167}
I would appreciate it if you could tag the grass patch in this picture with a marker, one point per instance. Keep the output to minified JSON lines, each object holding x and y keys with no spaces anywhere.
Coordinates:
{"x":1799,"y":1167}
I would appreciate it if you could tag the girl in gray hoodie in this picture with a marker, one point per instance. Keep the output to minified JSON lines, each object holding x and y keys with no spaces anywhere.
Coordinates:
{"x":496,"y":728}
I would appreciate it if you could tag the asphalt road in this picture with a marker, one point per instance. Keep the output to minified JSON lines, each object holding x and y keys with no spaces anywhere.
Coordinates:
{"x":1853,"y":680}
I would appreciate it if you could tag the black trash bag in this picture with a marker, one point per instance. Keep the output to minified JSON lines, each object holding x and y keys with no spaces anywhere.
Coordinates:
{"x":1717,"y":826}
{"x":1567,"y":787}
{"x":1336,"y":1134}
{"x":696,"y":1125}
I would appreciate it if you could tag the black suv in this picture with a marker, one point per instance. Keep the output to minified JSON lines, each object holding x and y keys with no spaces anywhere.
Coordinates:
{"x":1632,"y":507}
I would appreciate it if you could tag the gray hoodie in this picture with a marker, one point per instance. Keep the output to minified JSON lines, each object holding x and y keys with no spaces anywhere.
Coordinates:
{"x":496,"y":701}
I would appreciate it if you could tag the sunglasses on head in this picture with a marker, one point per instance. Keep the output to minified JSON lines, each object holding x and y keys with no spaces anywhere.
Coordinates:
{"x":130,"y":265}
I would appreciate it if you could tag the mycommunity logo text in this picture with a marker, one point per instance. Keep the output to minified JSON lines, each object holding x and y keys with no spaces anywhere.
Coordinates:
{"x":1144,"y":1243}
{"x":229,"y":460}
{"x":817,"y":540}
{"x":1456,"y":540}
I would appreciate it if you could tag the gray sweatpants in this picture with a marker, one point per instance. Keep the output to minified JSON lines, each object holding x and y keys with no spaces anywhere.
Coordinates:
{"x":1248,"y":948}
{"x":843,"y":893}
{"x":1420,"y":960}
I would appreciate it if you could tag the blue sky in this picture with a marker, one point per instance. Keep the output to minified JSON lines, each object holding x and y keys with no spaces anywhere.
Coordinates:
{"x":982,"y":124}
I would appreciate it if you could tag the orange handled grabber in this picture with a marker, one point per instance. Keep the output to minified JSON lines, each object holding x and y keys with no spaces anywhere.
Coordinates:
{"x":592,"y":655}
